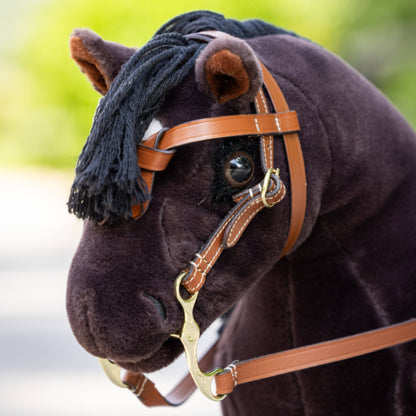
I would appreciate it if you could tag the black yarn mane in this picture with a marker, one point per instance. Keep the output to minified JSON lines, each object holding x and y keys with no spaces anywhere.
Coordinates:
{"x":108,"y":179}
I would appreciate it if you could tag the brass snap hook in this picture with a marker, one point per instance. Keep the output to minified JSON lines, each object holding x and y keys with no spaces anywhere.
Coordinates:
{"x":189,"y":337}
{"x":112,"y":371}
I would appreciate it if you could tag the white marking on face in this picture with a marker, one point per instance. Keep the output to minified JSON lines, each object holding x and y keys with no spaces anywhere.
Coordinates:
{"x":154,"y":127}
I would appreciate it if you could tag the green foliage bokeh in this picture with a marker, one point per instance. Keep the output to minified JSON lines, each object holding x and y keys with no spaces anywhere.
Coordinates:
{"x":46,"y":105}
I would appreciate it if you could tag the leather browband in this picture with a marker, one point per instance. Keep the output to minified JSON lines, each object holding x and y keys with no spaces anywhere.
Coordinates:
{"x":226,"y":126}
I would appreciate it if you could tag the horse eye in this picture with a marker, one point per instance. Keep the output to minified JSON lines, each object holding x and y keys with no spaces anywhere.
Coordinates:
{"x":239,"y":169}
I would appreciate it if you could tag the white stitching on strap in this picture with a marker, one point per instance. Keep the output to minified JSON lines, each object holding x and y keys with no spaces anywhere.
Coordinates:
{"x":266,"y":140}
{"x":243,"y":227}
{"x":191,"y":279}
{"x":264,"y":100}
{"x":245,"y":223}
{"x":139,"y":390}
{"x":204,"y":260}
{"x":276,"y":119}
{"x":234,"y":373}
{"x":257,"y":125}
{"x":269,"y":138}
{"x":257,"y":105}
{"x":197,"y":268}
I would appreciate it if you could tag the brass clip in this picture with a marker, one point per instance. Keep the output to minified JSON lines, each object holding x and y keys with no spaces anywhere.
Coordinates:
{"x":112,"y":371}
{"x":189,"y":337}
{"x":265,"y":186}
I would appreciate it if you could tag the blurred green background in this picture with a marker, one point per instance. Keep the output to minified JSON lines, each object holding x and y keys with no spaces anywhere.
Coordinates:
{"x":46,"y":105}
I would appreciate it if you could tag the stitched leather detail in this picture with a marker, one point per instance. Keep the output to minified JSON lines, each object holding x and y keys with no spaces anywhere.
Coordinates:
{"x":267,"y":154}
{"x":246,"y":214}
{"x":275,"y":364}
{"x":229,"y":126}
{"x":209,"y":255}
{"x":296,"y":166}
{"x":228,"y":233}
{"x":317,"y":354}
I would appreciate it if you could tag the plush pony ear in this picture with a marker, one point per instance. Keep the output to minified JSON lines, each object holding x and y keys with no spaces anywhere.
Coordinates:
{"x":229,"y":70}
{"x":100,"y":60}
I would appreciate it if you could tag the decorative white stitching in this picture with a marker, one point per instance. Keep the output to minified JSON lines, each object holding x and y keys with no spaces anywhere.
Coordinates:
{"x":248,"y":219}
{"x":208,"y":263}
{"x":139,"y":390}
{"x":234,"y":373}
{"x":257,"y":105}
{"x":193,"y":277}
{"x":266,"y":140}
{"x":230,"y":243}
{"x":197,"y":268}
{"x":276,"y":119}
{"x":264,"y":100}
{"x":257,"y":124}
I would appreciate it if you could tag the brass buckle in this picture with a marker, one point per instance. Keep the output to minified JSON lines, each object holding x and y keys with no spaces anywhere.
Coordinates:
{"x":189,"y":337}
{"x":265,"y":186}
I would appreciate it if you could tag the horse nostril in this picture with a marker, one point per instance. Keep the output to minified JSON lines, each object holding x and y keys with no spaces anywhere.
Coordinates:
{"x":159,"y":305}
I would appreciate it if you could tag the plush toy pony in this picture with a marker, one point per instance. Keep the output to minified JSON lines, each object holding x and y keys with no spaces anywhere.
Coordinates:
{"x":352,"y":267}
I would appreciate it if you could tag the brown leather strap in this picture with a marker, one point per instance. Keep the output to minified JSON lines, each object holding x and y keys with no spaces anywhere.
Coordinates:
{"x":276,"y":364}
{"x":153,"y":159}
{"x":266,"y":141}
{"x":295,"y":162}
{"x":157,"y":159}
{"x":315,"y":355}
{"x":229,"y":231}
{"x":230,"y":126}
{"x":145,"y":390}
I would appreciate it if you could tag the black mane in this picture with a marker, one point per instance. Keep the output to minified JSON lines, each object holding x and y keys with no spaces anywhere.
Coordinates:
{"x":108,"y":179}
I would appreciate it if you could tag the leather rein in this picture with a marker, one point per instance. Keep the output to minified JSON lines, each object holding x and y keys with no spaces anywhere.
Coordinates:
{"x":154,"y":155}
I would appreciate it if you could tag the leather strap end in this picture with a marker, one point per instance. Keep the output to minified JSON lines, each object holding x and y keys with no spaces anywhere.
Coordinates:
{"x":155,"y":160}
{"x":226,"y":382}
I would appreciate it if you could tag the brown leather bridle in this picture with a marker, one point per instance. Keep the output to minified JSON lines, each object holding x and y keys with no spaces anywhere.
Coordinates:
{"x":154,"y":155}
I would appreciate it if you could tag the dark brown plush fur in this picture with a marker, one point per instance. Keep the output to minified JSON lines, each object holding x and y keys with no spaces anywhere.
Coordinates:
{"x":352,"y":269}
